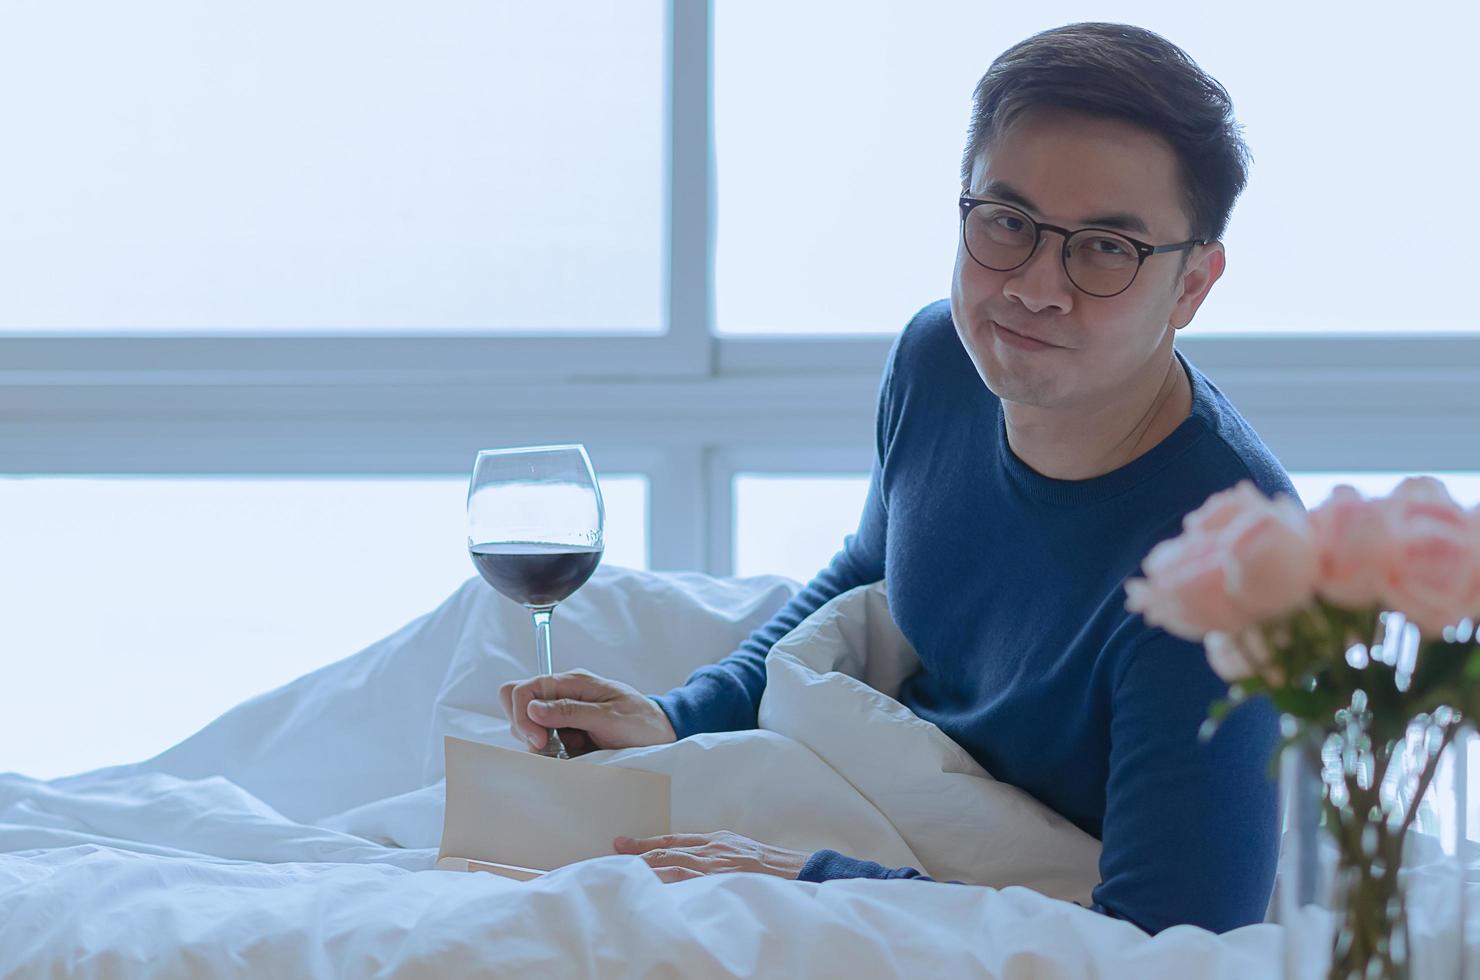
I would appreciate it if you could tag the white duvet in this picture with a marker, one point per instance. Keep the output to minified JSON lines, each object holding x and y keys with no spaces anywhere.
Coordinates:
{"x":294,"y":836}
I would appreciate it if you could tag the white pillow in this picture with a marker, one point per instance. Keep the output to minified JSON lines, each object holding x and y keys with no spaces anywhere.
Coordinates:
{"x":825,"y":688}
{"x":370,"y":726}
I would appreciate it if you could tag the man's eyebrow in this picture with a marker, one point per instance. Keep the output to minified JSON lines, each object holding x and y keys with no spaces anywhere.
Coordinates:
{"x":1121,"y":220}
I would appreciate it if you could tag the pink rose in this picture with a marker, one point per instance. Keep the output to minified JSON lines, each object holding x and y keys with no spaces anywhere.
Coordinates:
{"x":1431,"y":573}
{"x":1237,"y":656}
{"x":1475,"y":552}
{"x":1223,"y":508}
{"x":1352,"y":541}
{"x":1241,"y":559}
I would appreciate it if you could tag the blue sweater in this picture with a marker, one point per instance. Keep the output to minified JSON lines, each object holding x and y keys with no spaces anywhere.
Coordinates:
{"x":1009,"y":584}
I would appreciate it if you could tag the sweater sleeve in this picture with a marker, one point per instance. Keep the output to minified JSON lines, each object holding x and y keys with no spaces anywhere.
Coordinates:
{"x":726,"y":696}
{"x":1191,"y":831}
{"x":830,"y":865}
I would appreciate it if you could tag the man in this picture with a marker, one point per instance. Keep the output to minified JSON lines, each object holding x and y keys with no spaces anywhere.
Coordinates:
{"x":1035,"y":438}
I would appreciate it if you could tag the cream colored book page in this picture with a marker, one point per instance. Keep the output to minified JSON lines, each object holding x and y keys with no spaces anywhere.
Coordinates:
{"x":523,"y":809}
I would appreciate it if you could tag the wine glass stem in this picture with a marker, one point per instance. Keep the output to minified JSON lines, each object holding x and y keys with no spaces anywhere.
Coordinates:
{"x":553,"y":745}
{"x":542,"y":640}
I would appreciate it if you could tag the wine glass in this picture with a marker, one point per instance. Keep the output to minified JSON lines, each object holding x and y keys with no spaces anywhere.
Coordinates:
{"x":535,"y":524}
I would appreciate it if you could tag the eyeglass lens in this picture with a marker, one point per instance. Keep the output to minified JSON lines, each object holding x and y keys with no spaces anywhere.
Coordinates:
{"x":1001,"y":238}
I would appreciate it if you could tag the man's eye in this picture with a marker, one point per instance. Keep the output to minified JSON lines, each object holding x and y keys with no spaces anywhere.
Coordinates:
{"x":1008,"y":222}
{"x":1108,"y":246}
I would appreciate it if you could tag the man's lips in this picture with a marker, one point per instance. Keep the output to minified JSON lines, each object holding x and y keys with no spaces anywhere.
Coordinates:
{"x":1022,"y":337}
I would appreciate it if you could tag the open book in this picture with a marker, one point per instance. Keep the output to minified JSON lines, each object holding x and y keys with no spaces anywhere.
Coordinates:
{"x":519,"y":815}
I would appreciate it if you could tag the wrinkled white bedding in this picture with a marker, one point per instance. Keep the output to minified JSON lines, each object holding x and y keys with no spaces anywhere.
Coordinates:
{"x":295,"y":834}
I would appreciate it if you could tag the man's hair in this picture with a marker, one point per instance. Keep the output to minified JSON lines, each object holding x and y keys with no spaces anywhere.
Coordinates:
{"x":1127,"y":73}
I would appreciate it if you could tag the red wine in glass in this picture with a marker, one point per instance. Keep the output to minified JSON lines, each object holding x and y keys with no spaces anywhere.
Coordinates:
{"x":534,"y":573}
{"x":535,"y":533}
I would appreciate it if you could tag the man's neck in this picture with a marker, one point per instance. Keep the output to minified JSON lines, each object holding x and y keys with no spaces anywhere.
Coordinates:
{"x":1081,"y":442}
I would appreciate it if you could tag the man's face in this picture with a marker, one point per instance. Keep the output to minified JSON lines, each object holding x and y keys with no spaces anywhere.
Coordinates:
{"x":1075,"y":171}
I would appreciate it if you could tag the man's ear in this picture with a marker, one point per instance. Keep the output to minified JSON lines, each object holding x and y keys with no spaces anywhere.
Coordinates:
{"x":1203,"y":269}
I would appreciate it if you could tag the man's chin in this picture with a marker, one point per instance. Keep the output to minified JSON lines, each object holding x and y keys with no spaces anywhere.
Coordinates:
{"x":1010,"y":386}
{"x":1006,"y":383}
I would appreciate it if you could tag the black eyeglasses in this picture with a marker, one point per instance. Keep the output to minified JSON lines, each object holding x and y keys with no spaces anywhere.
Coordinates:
{"x":1097,"y":261}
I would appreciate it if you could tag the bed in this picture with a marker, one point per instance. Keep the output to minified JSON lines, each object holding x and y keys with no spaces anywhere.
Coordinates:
{"x":295,"y":835}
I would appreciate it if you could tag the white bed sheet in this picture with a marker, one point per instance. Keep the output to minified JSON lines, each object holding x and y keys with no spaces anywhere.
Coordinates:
{"x":295,"y":835}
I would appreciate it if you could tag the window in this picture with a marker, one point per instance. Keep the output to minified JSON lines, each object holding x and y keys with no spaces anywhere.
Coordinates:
{"x":368,"y":191}
{"x":793,"y":525}
{"x":336,"y":167}
{"x":839,"y":142}
{"x":787,"y":524}
{"x":140,"y":609}
{"x":1314,"y":488}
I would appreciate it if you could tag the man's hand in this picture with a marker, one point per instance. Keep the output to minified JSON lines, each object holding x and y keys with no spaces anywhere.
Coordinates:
{"x":591,"y":713}
{"x":676,"y":857}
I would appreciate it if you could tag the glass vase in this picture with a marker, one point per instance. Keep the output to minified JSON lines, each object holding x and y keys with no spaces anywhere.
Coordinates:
{"x":1371,"y":883}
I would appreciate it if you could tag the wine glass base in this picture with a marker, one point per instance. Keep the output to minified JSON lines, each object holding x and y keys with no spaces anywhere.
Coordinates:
{"x":553,"y":748}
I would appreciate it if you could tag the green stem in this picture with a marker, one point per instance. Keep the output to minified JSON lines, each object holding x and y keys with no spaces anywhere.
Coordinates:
{"x":1372,"y":938}
{"x":1373,"y":929}
{"x":1431,"y":767}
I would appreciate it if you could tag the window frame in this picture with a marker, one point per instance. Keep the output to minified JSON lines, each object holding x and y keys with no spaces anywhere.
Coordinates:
{"x":681,"y":347}
{"x":688,"y":408}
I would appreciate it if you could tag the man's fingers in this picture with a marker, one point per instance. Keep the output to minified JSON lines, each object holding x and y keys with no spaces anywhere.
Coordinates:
{"x":567,"y":713}
{"x":575,"y":685}
{"x":674,"y":857}
{"x":679,"y":856}
{"x":670,"y":875}
{"x":519,"y":716}
{"x":637,"y":845}
{"x":581,"y":685}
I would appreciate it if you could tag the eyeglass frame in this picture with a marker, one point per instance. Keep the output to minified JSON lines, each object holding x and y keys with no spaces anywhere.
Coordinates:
{"x":1144,"y":250}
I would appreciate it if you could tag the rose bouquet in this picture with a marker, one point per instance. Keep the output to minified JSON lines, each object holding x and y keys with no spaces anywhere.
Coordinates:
{"x":1357,"y":621}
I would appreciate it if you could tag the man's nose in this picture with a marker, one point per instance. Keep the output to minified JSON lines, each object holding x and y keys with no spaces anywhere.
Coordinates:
{"x":1040,"y":283}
